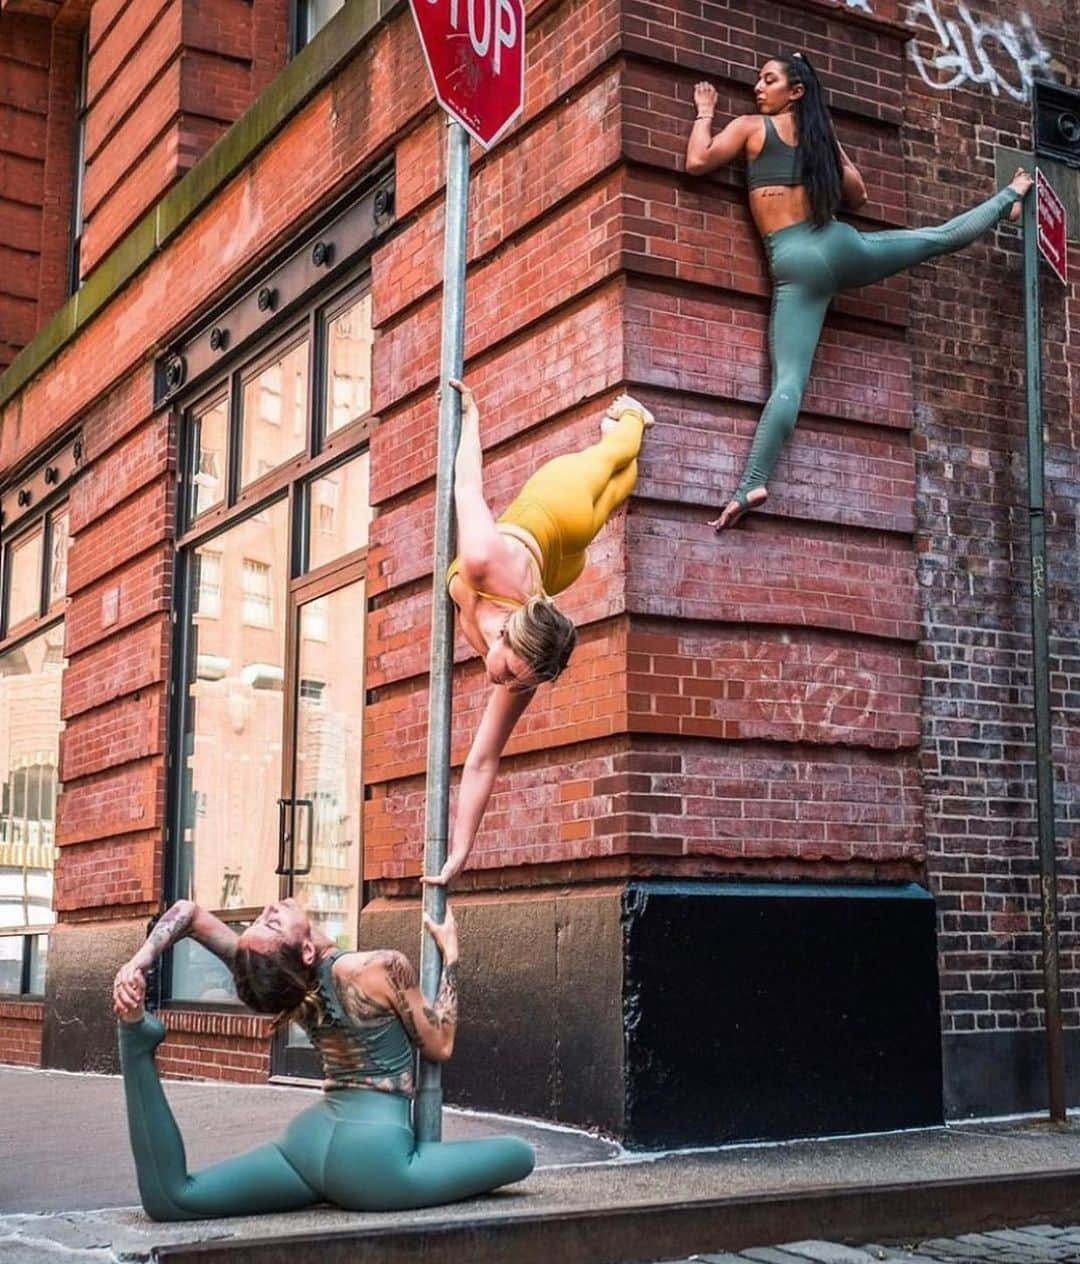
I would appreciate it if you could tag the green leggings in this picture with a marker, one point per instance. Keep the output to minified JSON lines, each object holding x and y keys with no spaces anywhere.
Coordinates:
{"x":354,"y":1147}
{"x":808,"y":266}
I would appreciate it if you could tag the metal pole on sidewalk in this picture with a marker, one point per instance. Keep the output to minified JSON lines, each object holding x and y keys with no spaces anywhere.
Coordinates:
{"x":1040,"y":654}
{"x":428,"y":1109}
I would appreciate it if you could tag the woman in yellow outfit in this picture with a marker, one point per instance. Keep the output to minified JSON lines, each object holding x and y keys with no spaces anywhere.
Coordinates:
{"x":507,"y":571}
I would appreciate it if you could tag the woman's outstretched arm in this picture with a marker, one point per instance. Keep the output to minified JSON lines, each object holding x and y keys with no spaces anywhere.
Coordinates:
{"x":502,"y":712}
{"x":185,"y":918}
{"x":704,"y":151}
{"x":478,"y":536}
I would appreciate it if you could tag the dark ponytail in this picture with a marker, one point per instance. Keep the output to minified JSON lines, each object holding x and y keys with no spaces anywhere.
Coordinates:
{"x":818,"y":146}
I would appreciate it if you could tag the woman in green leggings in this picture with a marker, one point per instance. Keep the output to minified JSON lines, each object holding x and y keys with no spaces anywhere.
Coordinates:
{"x":799,"y":176}
{"x":366,"y":1016}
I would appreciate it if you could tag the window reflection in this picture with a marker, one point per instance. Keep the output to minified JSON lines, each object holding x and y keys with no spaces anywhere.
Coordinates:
{"x":232,"y":770}
{"x":275,"y":414}
{"x":329,"y":735}
{"x":348,"y":385}
{"x":340,"y":512}
{"x":29,"y":758}
{"x":210,"y":432}
{"x":24,"y":578}
{"x":313,"y":15}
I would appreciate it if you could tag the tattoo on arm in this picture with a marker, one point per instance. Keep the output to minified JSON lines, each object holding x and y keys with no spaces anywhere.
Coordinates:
{"x":444,"y":1013}
{"x":172,"y":925}
{"x":402,"y":977}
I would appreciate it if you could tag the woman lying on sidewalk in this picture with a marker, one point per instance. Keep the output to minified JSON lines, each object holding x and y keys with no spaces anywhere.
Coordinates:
{"x":365,"y":1014}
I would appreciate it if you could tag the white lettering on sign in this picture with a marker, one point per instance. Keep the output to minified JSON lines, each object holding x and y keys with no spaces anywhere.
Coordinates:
{"x":505,"y":34}
{"x":1052,"y":233}
{"x":503,"y":21}
{"x":480,"y":46}
{"x":962,"y":55}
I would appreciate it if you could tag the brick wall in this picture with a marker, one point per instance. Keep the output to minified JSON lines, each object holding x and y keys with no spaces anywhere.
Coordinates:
{"x":215,"y":1047}
{"x":20,"y":1032}
{"x":967,"y":366}
{"x":24,"y":101}
{"x":165,"y":80}
{"x":768,"y":703}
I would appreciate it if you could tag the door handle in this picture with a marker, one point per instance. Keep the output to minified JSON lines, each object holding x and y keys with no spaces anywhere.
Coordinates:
{"x":284,"y":837}
{"x":309,"y":836}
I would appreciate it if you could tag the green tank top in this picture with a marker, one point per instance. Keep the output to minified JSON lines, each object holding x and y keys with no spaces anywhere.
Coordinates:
{"x":373,"y":1052}
{"x":778,"y":162}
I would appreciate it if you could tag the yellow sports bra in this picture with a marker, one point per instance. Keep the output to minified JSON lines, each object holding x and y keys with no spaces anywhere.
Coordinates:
{"x":499,"y":600}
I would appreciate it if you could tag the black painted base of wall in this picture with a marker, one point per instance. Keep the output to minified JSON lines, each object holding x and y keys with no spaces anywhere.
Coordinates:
{"x":771,"y":1011}
{"x":696,"y":1013}
{"x":1003,"y":1073}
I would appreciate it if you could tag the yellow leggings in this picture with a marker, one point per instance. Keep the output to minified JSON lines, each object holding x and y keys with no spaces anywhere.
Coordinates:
{"x":569,"y":498}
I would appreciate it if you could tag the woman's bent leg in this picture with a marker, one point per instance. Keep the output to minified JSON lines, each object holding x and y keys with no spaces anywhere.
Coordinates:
{"x":863,"y":258}
{"x":262,"y":1180}
{"x":372,"y":1167}
{"x":794,"y":330}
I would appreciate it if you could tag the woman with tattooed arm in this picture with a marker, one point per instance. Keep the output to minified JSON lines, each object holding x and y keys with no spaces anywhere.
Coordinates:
{"x":366,"y":1016}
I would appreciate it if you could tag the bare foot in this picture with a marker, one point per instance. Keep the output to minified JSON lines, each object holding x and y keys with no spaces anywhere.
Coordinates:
{"x":1021,"y":182}
{"x":734,"y":511}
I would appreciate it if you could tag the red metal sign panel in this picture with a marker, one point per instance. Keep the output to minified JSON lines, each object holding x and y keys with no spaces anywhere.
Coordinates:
{"x":475,"y":51}
{"x":1050,"y":216}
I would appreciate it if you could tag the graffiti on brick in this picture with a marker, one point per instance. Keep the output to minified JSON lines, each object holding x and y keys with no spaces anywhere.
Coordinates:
{"x":841,"y":701}
{"x":1003,"y":56}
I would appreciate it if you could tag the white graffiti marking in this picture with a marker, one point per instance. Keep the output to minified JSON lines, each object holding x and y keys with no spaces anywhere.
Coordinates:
{"x":962,"y":55}
{"x":864,"y":5}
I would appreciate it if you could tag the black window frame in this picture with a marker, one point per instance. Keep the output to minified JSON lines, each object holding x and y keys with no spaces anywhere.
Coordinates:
{"x":292,"y":479}
{"x":299,"y":21}
{"x":77,"y":225}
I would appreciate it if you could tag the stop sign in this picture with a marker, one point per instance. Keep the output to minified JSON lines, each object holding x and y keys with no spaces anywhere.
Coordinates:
{"x":475,"y":51}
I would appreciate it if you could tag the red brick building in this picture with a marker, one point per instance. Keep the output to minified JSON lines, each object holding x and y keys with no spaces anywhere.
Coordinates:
{"x":763,"y":861}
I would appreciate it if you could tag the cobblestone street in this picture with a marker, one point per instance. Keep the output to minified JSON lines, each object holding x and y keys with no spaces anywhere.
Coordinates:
{"x":1035,"y":1244}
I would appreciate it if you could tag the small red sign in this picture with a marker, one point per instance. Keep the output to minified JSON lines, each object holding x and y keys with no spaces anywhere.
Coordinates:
{"x":1050,"y":216}
{"x":475,"y":51}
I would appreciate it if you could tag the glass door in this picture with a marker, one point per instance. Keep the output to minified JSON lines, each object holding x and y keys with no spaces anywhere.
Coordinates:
{"x":321,"y":808}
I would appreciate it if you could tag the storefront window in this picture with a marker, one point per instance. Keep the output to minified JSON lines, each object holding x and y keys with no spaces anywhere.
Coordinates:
{"x":29,"y":757}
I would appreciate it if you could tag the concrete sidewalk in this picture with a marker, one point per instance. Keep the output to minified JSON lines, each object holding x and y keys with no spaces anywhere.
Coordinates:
{"x":70,"y":1191}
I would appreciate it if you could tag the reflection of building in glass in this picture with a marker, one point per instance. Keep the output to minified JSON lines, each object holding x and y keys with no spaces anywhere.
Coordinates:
{"x":349,"y":364}
{"x":29,"y":745}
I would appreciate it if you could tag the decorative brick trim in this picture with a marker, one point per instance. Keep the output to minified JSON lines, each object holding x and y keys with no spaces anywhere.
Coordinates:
{"x":216,"y":1023}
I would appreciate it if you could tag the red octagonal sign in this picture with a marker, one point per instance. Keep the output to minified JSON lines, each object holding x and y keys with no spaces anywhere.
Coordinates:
{"x":475,"y":50}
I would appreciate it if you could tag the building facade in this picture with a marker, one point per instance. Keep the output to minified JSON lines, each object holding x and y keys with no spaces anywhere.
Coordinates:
{"x":763,"y":861}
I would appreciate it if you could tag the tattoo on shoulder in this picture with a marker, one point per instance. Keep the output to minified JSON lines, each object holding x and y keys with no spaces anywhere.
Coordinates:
{"x":402,"y":977}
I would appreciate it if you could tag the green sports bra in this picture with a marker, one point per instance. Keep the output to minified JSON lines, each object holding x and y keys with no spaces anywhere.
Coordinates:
{"x":373,"y":1052}
{"x":778,"y":162}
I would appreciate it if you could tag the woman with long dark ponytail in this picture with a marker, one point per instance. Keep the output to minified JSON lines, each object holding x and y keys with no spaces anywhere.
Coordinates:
{"x":799,"y":177}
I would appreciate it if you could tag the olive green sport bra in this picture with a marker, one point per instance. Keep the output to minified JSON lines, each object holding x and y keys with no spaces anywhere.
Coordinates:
{"x":778,"y":162}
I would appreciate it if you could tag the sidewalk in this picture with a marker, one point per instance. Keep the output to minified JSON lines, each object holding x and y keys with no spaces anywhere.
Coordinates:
{"x":70,"y":1193}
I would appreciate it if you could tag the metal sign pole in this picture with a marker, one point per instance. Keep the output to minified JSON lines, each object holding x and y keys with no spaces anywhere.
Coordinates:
{"x":428,"y":1109}
{"x":1040,"y":654}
